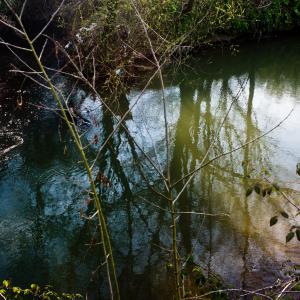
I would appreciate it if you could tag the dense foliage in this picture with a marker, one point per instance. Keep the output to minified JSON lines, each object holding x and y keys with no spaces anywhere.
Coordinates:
{"x":111,"y":30}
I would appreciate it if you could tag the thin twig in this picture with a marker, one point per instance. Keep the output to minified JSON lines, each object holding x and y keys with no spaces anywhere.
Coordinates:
{"x":49,"y":22}
{"x":23,"y":8}
{"x":14,"y":46}
{"x":44,"y":46}
{"x":203,"y":214}
{"x":285,"y":288}
{"x":20,"y":141}
{"x":227,"y":291}
{"x":11,"y":26}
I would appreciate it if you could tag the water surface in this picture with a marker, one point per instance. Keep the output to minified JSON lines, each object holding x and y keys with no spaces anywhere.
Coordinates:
{"x":44,"y":190}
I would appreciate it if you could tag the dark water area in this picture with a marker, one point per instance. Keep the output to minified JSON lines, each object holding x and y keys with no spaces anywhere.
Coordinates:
{"x":44,"y":189}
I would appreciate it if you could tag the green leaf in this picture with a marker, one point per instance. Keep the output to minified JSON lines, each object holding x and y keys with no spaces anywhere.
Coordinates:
{"x":34,"y":287}
{"x":298,"y":234}
{"x":273,"y":220}
{"x":16,"y":290}
{"x":6,"y":283}
{"x":27,"y":292}
{"x":289,"y":236}
{"x":284,"y":214}
{"x":78,"y":296}
{"x":249,"y":191}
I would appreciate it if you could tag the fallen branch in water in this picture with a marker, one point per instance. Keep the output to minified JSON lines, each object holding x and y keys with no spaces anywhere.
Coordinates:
{"x":19,"y":140}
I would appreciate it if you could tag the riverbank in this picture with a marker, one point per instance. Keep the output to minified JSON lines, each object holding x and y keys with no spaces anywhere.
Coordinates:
{"x":112,"y":36}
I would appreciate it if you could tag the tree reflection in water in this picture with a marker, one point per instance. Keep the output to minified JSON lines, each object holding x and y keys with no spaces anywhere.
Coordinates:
{"x":53,"y":244}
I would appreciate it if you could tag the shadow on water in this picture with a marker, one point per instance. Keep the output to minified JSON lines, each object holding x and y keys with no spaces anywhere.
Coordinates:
{"x":43,"y":190}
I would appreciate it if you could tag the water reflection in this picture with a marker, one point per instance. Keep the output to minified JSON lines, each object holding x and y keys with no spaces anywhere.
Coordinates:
{"x":43,"y":190}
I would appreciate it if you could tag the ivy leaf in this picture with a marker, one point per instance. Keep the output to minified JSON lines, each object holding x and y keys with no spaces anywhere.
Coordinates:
{"x":27,"y":292}
{"x":298,"y":234}
{"x":16,"y":290}
{"x":34,"y":287}
{"x":6,"y":283}
{"x":273,"y":220}
{"x":284,"y":214}
{"x":289,"y":236}
{"x":249,"y":191}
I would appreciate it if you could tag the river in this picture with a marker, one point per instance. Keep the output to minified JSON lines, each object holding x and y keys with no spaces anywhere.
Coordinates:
{"x":43,"y":188}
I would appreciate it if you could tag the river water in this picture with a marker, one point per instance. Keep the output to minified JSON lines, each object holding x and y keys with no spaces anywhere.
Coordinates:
{"x":44,"y":190}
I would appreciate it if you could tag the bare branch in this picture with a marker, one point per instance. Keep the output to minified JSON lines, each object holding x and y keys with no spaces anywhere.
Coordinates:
{"x":124,"y":116}
{"x":22,"y":10}
{"x":162,"y":89}
{"x":284,"y":195}
{"x":204,"y":296}
{"x":155,"y":205}
{"x":21,"y":60}
{"x":12,"y":27}
{"x":27,"y":74}
{"x":49,"y":22}
{"x":203,"y":214}
{"x":94,"y":73}
{"x":120,"y":122}
{"x":14,"y":46}
{"x":2,"y":296}
{"x":44,"y":46}
{"x":19,"y":141}
{"x":285,"y":288}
